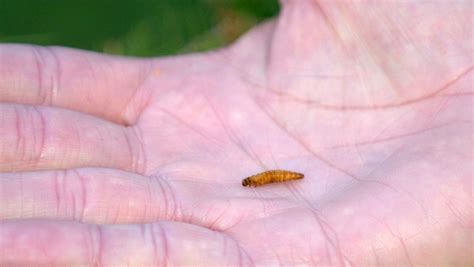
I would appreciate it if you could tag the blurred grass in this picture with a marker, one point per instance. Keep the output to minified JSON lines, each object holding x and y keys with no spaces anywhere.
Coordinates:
{"x":136,"y":28}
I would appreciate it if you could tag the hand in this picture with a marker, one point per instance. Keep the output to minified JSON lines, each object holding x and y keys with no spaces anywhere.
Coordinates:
{"x":113,"y":161}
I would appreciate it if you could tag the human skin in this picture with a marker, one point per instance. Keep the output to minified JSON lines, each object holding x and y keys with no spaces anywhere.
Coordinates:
{"x":111,"y":161}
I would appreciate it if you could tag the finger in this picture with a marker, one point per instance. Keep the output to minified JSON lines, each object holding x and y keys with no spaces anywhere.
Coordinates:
{"x":105,"y":86}
{"x":96,"y":195}
{"x":75,"y":244}
{"x":35,"y":138}
{"x":88,"y":195}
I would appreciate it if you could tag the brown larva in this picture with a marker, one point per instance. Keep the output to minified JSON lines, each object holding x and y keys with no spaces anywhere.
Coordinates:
{"x":273,"y":176}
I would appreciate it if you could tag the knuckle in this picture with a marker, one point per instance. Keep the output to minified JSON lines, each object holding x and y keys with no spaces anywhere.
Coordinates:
{"x":23,"y":140}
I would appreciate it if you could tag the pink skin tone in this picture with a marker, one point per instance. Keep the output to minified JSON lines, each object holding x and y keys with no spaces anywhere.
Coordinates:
{"x":110,"y":161}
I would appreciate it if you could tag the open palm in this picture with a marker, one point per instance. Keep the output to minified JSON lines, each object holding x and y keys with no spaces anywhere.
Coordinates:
{"x":115,"y":161}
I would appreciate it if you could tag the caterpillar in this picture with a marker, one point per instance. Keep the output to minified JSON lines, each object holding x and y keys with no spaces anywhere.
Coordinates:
{"x":273,"y":176}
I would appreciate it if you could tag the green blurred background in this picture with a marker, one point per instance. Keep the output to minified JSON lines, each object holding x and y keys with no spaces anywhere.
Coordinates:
{"x":134,"y":27}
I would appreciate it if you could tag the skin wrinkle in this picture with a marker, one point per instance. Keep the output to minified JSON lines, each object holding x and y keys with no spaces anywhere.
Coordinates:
{"x":224,"y":241}
{"x":133,"y":160}
{"x":364,"y":83}
{"x":125,"y":117}
{"x":241,"y":251}
{"x":359,"y":155}
{"x":190,"y":217}
{"x":314,"y":211}
{"x":143,"y":155}
{"x":164,"y":240}
{"x":381,"y":140}
{"x":33,"y":200}
{"x":213,"y":224}
{"x":400,"y":190}
{"x":84,"y":202}
{"x":19,"y":134}
{"x":97,"y":237}
{"x":42,"y":131}
{"x":403,"y":35}
{"x":403,"y":146}
{"x":267,"y":59}
{"x":401,"y":241}
{"x":164,"y":198}
{"x":90,"y":248}
{"x":107,"y":210}
{"x":374,"y":55}
{"x":328,"y":253}
{"x":63,"y":182}
{"x":176,"y":210}
{"x":91,"y":69}
{"x":150,"y":195}
{"x":79,"y":141}
{"x":206,"y":215}
{"x":51,"y":70}
{"x":145,"y":212}
{"x":397,"y":137}
{"x":199,"y":132}
{"x":151,"y":232}
{"x":318,"y":105}
{"x":376,"y":256}
{"x":257,"y":216}
{"x":233,"y":137}
{"x":329,"y":23}
{"x":334,"y":244}
{"x":24,"y":120}
{"x":56,"y":191}
{"x":33,"y":126}
{"x":398,"y":120}
{"x":104,"y":206}
{"x":73,"y":207}
{"x":463,"y":222}
{"x":263,"y":200}
{"x":280,"y":262}
{"x":377,"y":53}
{"x":39,"y":62}
{"x":129,"y":199}
{"x":129,"y":118}
{"x":135,"y":151}
{"x":143,"y":230}
{"x":320,"y":158}
{"x":118,"y":211}
{"x":173,"y":213}
{"x":458,"y":94}
{"x":22,"y":197}
{"x":55,"y":77}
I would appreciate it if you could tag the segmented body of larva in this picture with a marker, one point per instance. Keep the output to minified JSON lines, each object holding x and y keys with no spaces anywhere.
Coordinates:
{"x":273,"y":176}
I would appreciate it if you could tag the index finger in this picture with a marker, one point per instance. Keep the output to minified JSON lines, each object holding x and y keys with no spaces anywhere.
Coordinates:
{"x":110,"y":87}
